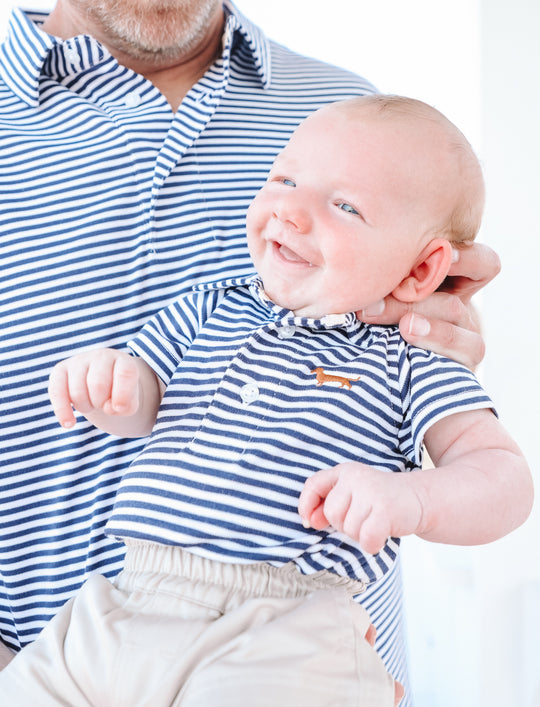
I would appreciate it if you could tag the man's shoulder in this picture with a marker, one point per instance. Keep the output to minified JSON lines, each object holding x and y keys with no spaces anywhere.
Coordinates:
{"x":287,"y":62}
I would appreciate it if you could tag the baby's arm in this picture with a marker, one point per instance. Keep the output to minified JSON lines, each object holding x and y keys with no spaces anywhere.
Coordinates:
{"x":116,"y":392}
{"x":479,"y":490}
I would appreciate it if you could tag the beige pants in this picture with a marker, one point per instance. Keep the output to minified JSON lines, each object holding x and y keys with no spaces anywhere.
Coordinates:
{"x":175,"y":629}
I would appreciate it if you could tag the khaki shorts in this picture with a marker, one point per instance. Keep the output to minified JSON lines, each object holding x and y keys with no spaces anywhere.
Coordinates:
{"x":176,"y":629}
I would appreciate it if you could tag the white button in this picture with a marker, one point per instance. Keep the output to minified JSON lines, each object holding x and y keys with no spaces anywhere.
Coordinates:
{"x":132,"y":100}
{"x":73,"y":55}
{"x":286,"y":332}
{"x":249,"y":393}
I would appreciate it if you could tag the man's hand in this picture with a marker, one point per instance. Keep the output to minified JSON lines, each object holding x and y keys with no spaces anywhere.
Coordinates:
{"x":445,"y":322}
{"x":367,"y":504}
{"x":399,"y":690}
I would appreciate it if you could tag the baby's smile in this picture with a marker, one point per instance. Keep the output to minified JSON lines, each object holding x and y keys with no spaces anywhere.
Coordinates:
{"x":290,"y":256}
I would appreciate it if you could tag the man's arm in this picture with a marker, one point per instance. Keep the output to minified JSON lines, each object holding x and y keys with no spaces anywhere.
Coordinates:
{"x":116,"y":392}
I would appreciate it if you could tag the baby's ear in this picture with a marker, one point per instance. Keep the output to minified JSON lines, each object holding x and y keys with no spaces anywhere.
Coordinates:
{"x":430,"y":269}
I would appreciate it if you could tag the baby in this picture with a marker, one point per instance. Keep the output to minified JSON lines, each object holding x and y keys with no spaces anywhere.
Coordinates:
{"x":271,"y":492}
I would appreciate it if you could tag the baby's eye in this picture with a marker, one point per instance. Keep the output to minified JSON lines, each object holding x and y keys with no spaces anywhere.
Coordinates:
{"x":348,"y":208}
{"x":287,"y":182}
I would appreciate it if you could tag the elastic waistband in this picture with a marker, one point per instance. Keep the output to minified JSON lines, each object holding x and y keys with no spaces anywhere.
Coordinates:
{"x":256,"y":579}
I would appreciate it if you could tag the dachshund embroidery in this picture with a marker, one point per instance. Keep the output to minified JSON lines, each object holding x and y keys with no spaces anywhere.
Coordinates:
{"x":323,"y":377}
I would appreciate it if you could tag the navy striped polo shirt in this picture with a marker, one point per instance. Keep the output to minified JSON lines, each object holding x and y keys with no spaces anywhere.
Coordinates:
{"x":258,"y":400}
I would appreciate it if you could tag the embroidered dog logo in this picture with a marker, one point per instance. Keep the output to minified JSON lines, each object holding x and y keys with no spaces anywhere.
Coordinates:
{"x":323,"y":377}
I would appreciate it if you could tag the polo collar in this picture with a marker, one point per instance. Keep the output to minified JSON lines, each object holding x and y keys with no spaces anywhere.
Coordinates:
{"x":23,"y":53}
{"x":26,"y":49}
{"x":255,"y":41}
{"x":282,"y":315}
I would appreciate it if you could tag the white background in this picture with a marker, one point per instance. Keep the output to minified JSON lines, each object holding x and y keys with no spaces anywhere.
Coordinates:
{"x":473,"y":613}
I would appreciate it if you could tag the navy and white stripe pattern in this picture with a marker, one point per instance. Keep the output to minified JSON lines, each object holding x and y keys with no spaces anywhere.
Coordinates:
{"x":110,"y":208}
{"x":245,"y":420}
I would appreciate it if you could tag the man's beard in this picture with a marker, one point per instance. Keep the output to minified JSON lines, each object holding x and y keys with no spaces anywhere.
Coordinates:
{"x":146,"y":29}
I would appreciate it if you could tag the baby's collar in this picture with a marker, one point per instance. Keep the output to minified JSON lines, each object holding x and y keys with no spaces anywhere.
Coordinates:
{"x":282,"y":314}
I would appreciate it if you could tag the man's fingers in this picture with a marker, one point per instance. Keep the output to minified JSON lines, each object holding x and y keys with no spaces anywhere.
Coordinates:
{"x":371,"y":635}
{"x":456,"y":336}
{"x":399,"y":692}
{"x":476,"y":265}
{"x":444,"y":338}
{"x":440,"y":305}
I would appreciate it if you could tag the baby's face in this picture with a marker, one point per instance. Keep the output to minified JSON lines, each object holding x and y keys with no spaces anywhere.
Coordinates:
{"x":343,"y":215}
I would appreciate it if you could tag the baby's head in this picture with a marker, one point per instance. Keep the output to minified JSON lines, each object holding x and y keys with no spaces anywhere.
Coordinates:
{"x":447,"y":161}
{"x":365,"y":201}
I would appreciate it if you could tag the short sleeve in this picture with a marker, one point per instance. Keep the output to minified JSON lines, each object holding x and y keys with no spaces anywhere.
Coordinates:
{"x":166,"y":337}
{"x":433,"y":387}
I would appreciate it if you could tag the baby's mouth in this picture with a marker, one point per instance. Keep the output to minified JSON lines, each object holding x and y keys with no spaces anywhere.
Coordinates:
{"x":290,"y":255}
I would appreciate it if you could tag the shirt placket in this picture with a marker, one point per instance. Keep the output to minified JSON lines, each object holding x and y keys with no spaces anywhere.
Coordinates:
{"x":192,"y":117}
{"x":137,"y":105}
{"x":135,"y":114}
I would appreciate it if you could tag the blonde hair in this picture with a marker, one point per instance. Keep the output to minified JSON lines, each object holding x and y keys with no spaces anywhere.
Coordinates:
{"x":466,"y":214}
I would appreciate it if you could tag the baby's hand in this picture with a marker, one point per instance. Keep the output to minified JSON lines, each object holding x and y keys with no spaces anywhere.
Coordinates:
{"x":103,"y":380}
{"x":366,"y":504}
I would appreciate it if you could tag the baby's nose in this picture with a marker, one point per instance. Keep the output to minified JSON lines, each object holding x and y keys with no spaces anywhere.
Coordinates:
{"x":294,"y":210}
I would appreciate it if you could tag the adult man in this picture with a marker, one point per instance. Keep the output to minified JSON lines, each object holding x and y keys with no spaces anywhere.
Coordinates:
{"x":130,"y":154}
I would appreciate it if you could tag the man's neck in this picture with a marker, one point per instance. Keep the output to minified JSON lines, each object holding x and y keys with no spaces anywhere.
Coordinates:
{"x":172,"y":75}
